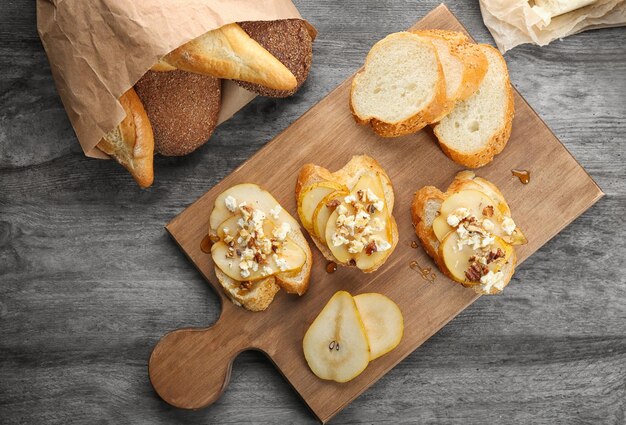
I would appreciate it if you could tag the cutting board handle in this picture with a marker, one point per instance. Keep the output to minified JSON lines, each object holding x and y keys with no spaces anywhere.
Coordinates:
{"x":190,"y":368}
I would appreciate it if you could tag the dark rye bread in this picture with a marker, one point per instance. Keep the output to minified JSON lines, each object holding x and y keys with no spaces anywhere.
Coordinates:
{"x":182,"y":107}
{"x":290,"y":42}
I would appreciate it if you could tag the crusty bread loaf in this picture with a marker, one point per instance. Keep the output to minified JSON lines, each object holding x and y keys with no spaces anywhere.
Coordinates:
{"x":131,"y":142}
{"x":290,"y":41}
{"x":348,"y":176}
{"x":479,"y":127}
{"x":228,"y":52}
{"x":402,"y":86}
{"x":182,"y":107}
{"x":426,"y":206}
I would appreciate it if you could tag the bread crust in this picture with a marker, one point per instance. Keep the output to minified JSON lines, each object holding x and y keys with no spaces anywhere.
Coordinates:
{"x":257,"y":298}
{"x":498,"y":140}
{"x":422,"y":222}
{"x":228,"y":52}
{"x":414,"y":123}
{"x":134,"y":149}
{"x":290,"y":41}
{"x":348,"y":175}
{"x":183,"y":108}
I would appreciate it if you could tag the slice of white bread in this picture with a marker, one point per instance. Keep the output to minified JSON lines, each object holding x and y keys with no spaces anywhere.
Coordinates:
{"x":349,"y":175}
{"x":258,"y":295}
{"x":401,"y":88}
{"x":479,"y":127}
{"x":228,"y":52}
{"x":426,"y":206}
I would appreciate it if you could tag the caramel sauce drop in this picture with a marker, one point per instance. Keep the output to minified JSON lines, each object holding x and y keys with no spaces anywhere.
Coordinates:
{"x":426,"y":273}
{"x":522,"y":175}
{"x":206,"y":244}
{"x":331,"y":267}
{"x":414,"y":244}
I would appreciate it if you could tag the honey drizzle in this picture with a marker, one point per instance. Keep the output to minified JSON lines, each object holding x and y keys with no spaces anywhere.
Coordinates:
{"x":331,"y":267}
{"x":425,"y":272}
{"x":522,"y":175}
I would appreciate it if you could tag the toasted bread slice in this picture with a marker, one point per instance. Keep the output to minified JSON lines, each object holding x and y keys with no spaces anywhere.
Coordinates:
{"x":228,"y":52}
{"x":479,"y":127}
{"x":426,"y":207}
{"x":256,"y":295}
{"x":348,"y":176}
{"x":131,"y":143}
{"x":253,"y":296}
{"x":402,"y":87}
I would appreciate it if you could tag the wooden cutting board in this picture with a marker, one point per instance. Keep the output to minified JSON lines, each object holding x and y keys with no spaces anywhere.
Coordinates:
{"x":190,"y":368}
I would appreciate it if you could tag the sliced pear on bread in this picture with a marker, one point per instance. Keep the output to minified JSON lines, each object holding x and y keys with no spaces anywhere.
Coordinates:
{"x":480,"y":206}
{"x":457,"y":257}
{"x":254,"y":196}
{"x":479,"y":127}
{"x":383,"y":321}
{"x":323,"y":211}
{"x":312,"y":195}
{"x":425,"y":212}
{"x":335,"y":345}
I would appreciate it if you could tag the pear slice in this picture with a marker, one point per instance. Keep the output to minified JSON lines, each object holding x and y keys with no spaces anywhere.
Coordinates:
{"x":254,"y":196}
{"x":323,"y":211}
{"x":293,"y":254}
{"x":383,"y":321}
{"x":311,"y":196}
{"x":457,"y":260}
{"x":335,"y":345}
{"x":363,"y":260}
{"x":477,"y":203}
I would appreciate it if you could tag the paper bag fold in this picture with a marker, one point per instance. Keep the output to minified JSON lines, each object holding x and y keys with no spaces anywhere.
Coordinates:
{"x":99,"y":49}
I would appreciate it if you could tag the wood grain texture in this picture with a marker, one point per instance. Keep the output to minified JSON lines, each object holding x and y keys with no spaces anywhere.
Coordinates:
{"x":89,"y":280}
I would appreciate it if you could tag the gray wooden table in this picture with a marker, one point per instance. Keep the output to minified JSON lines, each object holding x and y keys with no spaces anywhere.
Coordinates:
{"x":89,"y":280}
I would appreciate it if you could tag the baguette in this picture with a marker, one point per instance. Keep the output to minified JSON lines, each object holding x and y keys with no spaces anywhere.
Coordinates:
{"x":228,"y":52}
{"x":131,"y":143}
{"x":402,"y":87}
{"x":479,"y":127}
{"x":426,"y":207}
{"x":347,"y":177}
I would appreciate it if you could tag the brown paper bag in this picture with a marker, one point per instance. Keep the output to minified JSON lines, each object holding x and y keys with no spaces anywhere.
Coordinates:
{"x":515,"y":22}
{"x":99,"y":49}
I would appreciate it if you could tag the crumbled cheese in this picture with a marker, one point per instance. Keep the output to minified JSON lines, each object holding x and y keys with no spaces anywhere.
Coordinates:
{"x":349,"y":199}
{"x":245,"y":273}
{"x":377,"y":224}
{"x":371,"y":196}
{"x":275,"y":212}
{"x":508,"y":225}
{"x":355,"y":247}
{"x":281,"y":263}
{"x":379,"y":205}
{"x":338,"y":240}
{"x":342,"y":210}
{"x":231,"y":203}
{"x":267,"y":270}
{"x":361,"y":219}
{"x":247,"y":254}
{"x":488,"y":225}
{"x":281,"y":232}
{"x":382,"y":245}
{"x":492,"y":279}
{"x":241,"y":223}
{"x":456,"y":216}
